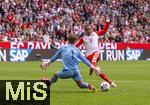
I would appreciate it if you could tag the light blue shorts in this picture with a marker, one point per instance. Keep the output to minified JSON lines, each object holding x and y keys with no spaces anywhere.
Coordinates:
{"x":65,"y":74}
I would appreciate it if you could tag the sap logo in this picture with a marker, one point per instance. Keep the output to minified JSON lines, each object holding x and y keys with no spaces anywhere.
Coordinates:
{"x":19,"y":55}
{"x":133,"y":54}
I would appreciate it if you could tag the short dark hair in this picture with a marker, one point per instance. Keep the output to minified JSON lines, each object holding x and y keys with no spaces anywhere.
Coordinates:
{"x":72,"y":39}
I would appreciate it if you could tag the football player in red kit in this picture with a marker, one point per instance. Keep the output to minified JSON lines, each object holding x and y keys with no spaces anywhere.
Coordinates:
{"x":92,"y":53}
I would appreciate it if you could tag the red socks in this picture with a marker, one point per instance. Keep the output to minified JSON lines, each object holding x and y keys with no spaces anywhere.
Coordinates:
{"x":103,"y":76}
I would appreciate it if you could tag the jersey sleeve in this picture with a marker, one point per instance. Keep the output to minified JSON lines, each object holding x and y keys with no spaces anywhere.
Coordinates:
{"x":56,"y":56}
{"x":104,"y":30}
{"x":84,"y":60}
{"x":80,"y":41}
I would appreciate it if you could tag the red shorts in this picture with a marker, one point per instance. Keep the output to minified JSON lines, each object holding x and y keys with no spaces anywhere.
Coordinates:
{"x":94,"y":57}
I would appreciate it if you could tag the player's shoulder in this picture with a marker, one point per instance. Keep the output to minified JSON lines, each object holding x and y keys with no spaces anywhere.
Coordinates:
{"x":68,"y":46}
{"x":94,"y":34}
{"x":65,"y":46}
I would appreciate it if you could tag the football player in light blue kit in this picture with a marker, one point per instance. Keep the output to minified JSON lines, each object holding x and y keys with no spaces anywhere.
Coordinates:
{"x":70,"y":56}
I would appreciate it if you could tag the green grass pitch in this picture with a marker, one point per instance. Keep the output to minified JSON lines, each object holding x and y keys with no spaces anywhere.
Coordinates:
{"x":132,"y":78}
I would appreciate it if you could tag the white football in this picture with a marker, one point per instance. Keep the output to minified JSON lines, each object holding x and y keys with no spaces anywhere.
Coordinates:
{"x":105,"y":86}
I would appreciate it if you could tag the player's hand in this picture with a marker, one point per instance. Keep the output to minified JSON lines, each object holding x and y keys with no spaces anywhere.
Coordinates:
{"x":44,"y":65}
{"x":98,"y":72}
{"x":97,"y":69}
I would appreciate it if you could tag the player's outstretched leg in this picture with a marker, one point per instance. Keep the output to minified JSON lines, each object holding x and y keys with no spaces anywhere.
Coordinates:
{"x":86,"y":85}
{"x":104,"y":77}
{"x":94,"y":60}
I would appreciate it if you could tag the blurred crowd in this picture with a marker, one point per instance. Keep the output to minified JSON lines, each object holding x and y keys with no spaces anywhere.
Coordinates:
{"x":55,"y":20}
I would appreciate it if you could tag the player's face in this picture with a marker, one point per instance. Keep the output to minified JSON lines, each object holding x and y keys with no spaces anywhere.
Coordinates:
{"x":88,"y":30}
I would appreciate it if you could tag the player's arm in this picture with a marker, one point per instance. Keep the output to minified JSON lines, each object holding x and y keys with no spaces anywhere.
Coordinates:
{"x":87,"y":62}
{"x":56,"y":56}
{"x":44,"y":65}
{"x":80,"y":41}
{"x":104,"y":30}
{"x":84,"y":60}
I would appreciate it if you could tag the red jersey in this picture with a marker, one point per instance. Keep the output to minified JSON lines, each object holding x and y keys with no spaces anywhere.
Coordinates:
{"x":91,"y":42}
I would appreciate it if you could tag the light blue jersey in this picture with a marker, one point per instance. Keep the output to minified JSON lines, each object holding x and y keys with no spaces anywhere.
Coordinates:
{"x":70,"y":56}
